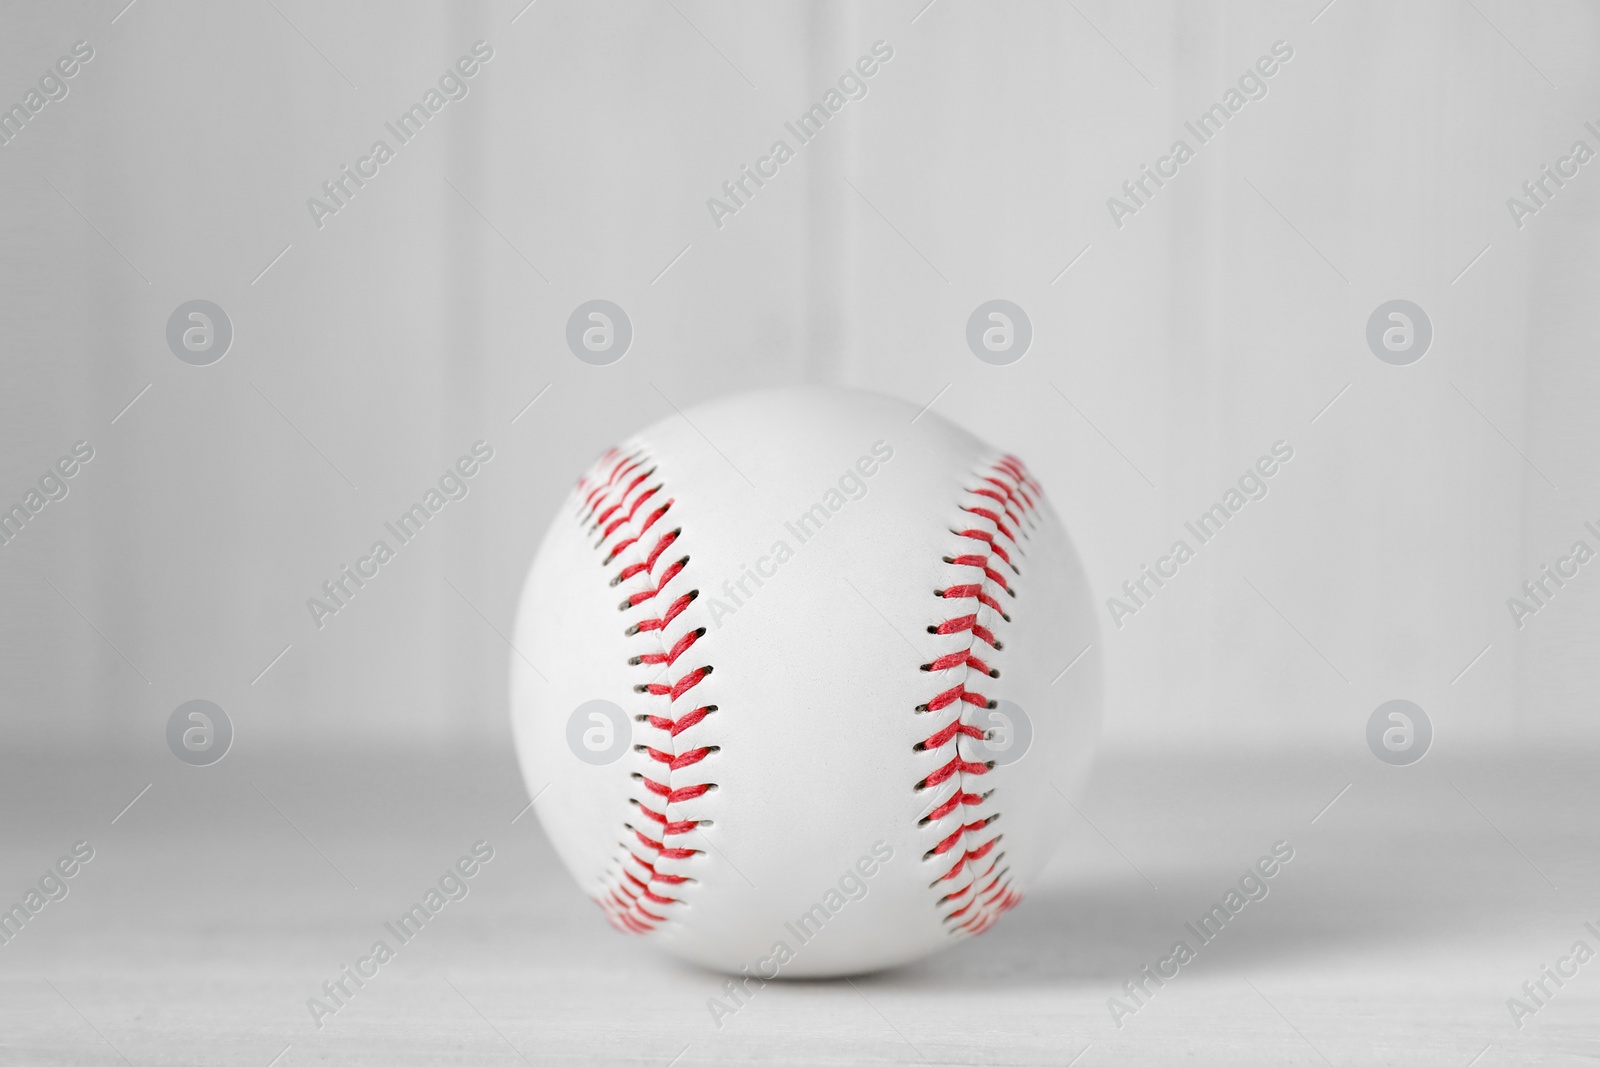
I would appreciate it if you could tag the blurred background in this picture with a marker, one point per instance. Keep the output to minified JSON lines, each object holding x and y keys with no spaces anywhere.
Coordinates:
{"x":380,"y":333}
{"x":374,"y":345}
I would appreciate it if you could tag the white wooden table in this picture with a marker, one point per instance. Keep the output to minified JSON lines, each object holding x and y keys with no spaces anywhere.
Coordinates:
{"x":1414,"y":907}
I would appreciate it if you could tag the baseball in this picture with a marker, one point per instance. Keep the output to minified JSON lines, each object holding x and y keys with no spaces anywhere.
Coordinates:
{"x":802,"y":681}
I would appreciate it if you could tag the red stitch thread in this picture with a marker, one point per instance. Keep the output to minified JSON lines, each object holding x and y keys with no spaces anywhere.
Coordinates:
{"x":958,"y":659}
{"x":956,"y":766}
{"x":618,"y":501}
{"x":967,"y":622}
{"x":675,"y":796}
{"x":676,"y":689}
{"x":622,"y":546}
{"x":616,"y":473}
{"x":677,"y":763}
{"x":646,"y":495}
{"x":671,"y":613}
{"x":981,"y":561}
{"x":994,"y":546}
{"x":612,"y":510}
{"x":967,"y":857}
{"x":950,"y":696}
{"x":973,"y":592}
{"x":684,"y":644}
{"x":650,"y":560}
{"x":677,"y":726}
{"x":961,"y":797}
{"x":1005,"y":498}
{"x":961,"y":831}
{"x":943,"y":737}
{"x":1013,"y":495}
{"x":661,"y":851}
{"x":639,"y":598}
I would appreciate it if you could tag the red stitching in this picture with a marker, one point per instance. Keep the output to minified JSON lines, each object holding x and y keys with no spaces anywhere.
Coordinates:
{"x":943,"y":737}
{"x":622,"y":546}
{"x":959,"y":659}
{"x":684,"y":644}
{"x":956,"y":766}
{"x":661,"y":851}
{"x":676,"y":689}
{"x":682,"y":826}
{"x":967,"y":857}
{"x":980,"y":561}
{"x":599,"y":489}
{"x":967,"y":622}
{"x":950,"y":696}
{"x":650,"y":561}
{"x":974,"y":592}
{"x":620,"y":500}
{"x":646,"y":495}
{"x":677,"y":763}
{"x":639,"y":598}
{"x":1014,"y":494}
{"x":994,"y":517}
{"x":994,"y":546}
{"x":961,"y":797}
{"x":612,"y":498}
{"x":675,"y":796}
{"x":961,"y":831}
{"x":1005,"y":498}
{"x":671,"y":613}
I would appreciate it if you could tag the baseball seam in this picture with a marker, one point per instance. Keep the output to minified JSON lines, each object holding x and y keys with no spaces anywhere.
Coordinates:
{"x":623,"y":504}
{"x":622,"y":501}
{"x":1004,"y":502}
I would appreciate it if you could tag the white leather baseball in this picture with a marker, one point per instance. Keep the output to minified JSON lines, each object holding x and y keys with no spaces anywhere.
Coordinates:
{"x":800,"y":596}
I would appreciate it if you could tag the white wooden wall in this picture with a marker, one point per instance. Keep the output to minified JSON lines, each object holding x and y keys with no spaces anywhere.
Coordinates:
{"x":1221,"y":318}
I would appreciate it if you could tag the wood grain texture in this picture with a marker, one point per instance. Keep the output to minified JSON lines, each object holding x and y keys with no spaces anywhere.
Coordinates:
{"x":1413,"y":908}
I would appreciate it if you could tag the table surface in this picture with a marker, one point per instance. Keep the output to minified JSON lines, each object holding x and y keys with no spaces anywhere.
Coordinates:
{"x":224,"y":897}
